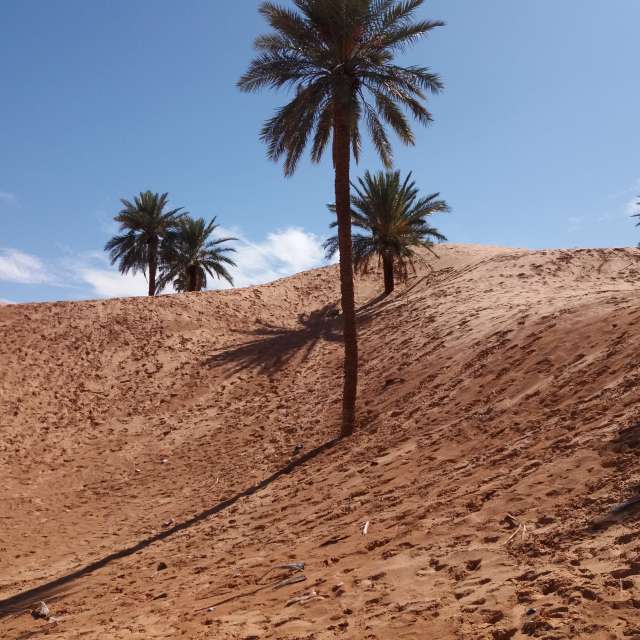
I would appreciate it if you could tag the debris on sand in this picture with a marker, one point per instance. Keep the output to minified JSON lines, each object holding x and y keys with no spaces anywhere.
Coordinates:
{"x":504,"y":382}
{"x":41,"y":612}
{"x":632,"y":502}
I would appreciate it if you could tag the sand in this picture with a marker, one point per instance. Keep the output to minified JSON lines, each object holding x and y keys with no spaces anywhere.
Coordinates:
{"x":142,"y":443}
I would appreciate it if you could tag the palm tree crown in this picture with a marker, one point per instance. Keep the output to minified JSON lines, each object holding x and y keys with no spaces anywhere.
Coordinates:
{"x":143,"y":224}
{"x":394,"y":216}
{"x":189,"y":253}
{"x":340,"y":51}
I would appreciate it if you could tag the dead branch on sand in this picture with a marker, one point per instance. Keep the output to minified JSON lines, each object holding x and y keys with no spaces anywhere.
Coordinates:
{"x":522,"y":529}
{"x":292,"y":567}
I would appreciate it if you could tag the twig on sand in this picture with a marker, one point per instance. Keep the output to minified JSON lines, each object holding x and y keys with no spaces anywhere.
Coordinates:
{"x":289,"y":566}
{"x":522,"y":529}
{"x":365,"y":528}
{"x":513,"y":535}
{"x":274,"y":585}
{"x":287,"y":581}
{"x":210,"y":607}
{"x":292,"y":567}
{"x":304,"y":599}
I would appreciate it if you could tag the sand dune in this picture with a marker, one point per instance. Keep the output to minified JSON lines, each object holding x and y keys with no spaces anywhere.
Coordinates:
{"x":500,"y":395}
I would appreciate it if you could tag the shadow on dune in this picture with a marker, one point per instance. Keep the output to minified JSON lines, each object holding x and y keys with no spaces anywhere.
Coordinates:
{"x":626,"y":513}
{"x":626,"y":441}
{"x":25,"y":600}
{"x":271,"y":348}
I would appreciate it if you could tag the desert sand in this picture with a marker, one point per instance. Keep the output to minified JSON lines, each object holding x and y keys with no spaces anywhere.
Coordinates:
{"x":152,"y":475}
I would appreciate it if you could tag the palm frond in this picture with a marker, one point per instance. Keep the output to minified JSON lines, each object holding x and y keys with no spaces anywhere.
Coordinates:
{"x":191,"y":252}
{"x":393,"y":219}
{"x":340,"y":52}
{"x":143,"y":222}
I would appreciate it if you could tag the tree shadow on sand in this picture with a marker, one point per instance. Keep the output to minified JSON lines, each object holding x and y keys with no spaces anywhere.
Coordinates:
{"x":54,"y":589}
{"x":271,"y":347}
{"x":626,"y":441}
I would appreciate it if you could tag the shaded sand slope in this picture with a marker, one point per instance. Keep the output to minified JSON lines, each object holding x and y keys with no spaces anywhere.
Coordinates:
{"x":499,"y":382}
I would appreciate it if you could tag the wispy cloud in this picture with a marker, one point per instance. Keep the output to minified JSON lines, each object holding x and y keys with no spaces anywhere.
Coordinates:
{"x":92,"y":270}
{"x":633,"y":206}
{"x":630,"y":198}
{"x":8,"y":198}
{"x":633,"y":189}
{"x":280,"y":254}
{"x":23,"y":268}
{"x":108,"y":283}
{"x":575,"y":223}
{"x":627,"y":203}
{"x":77,"y":272}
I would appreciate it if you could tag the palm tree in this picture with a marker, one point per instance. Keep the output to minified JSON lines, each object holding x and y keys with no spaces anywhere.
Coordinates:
{"x":144,"y":223}
{"x":338,"y":55}
{"x":637,"y":215}
{"x":395,"y":219}
{"x":189,"y":253}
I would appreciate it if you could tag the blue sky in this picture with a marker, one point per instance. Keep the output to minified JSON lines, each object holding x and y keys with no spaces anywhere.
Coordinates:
{"x":535,"y":140}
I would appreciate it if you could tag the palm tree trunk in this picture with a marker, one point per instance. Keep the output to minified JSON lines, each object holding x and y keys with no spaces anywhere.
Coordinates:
{"x":193,"y":279}
{"x":153,"y":265}
{"x":341,"y":159}
{"x":387,"y":268}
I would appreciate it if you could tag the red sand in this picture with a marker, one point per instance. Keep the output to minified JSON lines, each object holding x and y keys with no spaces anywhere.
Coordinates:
{"x":503,"y":382}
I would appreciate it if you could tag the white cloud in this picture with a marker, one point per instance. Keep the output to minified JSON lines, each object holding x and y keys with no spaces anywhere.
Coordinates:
{"x":86,"y":269}
{"x":295,"y":249}
{"x":281,"y":254}
{"x":8,"y":198}
{"x":628,"y":202}
{"x":109,"y":283}
{"x":20,"y":267}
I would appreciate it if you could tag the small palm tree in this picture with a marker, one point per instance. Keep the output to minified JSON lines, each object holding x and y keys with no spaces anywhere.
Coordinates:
{"x":144,"y":223}
{"x":396,"y":221}
{"x":189,"y":253}
{"x":338,"y":56}
{"x":637,"y":215}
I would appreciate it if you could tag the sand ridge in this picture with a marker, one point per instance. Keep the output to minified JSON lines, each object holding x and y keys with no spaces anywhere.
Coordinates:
{"x":499,"y":396}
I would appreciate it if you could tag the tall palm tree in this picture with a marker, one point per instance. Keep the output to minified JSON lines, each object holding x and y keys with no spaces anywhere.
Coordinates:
{"x":189,"y":253}
{"x":338,"y":56}
{"x":395,"y":217}
{"x":144,"y":223}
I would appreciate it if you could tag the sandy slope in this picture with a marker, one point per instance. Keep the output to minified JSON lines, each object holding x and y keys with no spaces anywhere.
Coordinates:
{"x":502,"y":382}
